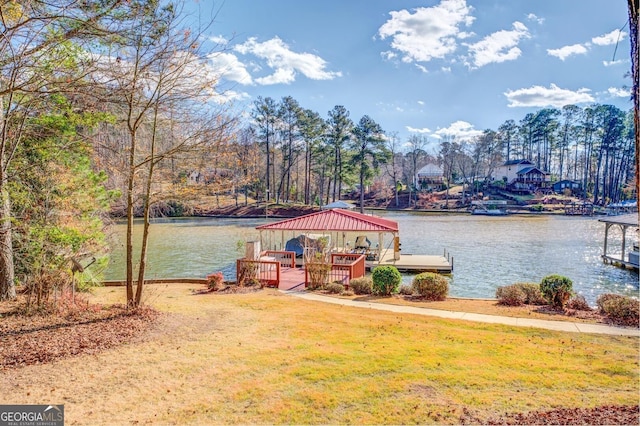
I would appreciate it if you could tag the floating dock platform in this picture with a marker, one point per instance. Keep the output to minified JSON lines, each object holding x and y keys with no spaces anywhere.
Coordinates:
{"x":414,"y":262}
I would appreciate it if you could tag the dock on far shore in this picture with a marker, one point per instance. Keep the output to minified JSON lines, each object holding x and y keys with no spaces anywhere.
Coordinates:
{"x":414,"y":262}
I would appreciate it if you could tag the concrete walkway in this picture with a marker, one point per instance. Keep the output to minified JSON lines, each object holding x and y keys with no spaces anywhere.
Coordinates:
{"x":572,"y":327}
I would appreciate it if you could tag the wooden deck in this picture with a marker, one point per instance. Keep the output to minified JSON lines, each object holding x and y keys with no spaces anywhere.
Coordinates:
{"x":292,"y":279}
{"x":415,"y":262}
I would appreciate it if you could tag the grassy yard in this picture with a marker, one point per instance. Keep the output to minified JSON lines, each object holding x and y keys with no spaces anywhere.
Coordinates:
{"x":270,"y":358}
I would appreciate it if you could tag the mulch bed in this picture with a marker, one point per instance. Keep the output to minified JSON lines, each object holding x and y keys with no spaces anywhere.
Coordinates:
{"x":37,"y":339}
{"x":229,"y":288}
{"x":603,"y":415}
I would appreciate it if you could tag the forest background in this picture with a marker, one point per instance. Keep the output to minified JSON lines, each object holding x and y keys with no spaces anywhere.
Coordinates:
{"x":105,"y":112}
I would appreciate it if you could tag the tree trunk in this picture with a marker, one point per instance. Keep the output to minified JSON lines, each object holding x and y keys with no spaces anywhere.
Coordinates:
{"x":130,"y":199}
{"x":7,"y":284}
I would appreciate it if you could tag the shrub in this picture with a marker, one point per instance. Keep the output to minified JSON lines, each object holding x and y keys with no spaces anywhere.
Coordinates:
{"x":334,"y":288}
{"x":621,"y":310}
{"x":405,"y":290}
{"x":214,"y":281}
{"x":578,"y":303}
{"x":511,"y":295}
{"x":533,"y":295}
{"x":386,"y":280}
{"x":556,"y":289}
{"x":431,"y":286}
{"x":604,"y":298}
{"x":318,"y":273}
{"x":361,"y":285}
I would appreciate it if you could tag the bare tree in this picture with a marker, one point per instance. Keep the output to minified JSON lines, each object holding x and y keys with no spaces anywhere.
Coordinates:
{"x":154,"y":73}
{"x":394,"y":166}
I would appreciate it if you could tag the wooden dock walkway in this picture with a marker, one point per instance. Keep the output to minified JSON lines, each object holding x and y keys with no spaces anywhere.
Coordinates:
{"x":292,"y":279}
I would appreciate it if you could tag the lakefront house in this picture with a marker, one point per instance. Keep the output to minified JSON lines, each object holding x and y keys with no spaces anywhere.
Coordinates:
{"x":522,"y":176}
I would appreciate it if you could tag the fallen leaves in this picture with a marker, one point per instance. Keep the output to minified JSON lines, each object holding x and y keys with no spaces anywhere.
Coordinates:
{"x":37,"y":339}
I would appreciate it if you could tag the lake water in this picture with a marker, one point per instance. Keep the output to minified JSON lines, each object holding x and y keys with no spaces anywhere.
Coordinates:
{"x":488,"y":251}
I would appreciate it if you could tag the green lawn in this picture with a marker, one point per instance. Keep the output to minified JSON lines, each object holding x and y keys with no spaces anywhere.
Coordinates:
{"x":271,"y":358}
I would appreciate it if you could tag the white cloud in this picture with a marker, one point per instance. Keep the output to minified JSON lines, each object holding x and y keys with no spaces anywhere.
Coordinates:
{"x":426,"y":33}
{"x":230,"y":68}
{"x":460,"y":130}
{"x":388,"y":55}
{"x":415,"y":130}
{"x":218,"y":40}
{"x":535,"y":18}
{"x":226,"y":96}
{"x":500,"y":46}
{"x":613,"y":37}
{"x":422,"y":68}
{"x":566,"y":51}
{"x":619,"y":92}
{"x":285,"y":62}
{"x":420,"y":102}
{"x":612,"y":63}
{"x":554,"y":96}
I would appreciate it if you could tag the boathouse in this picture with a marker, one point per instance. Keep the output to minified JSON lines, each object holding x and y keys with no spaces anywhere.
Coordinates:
{"x":350,"y":237}
{"x":628,"y":257}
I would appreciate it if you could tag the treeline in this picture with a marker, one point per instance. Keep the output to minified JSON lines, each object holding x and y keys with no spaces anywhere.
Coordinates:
{"x":306,"y":158}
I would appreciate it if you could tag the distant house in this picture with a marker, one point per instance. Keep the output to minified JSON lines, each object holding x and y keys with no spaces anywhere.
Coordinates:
{"x":508,"y":172}
{"x":522,"y":175}
{"x":430,"y":177}
{"x":561,"y":185}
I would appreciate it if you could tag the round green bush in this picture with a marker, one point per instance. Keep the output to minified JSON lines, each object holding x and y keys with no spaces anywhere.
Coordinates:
{"x":361,"y":285}
{"x":556,"y":289}
{"x":431,"y":286}
{"x":386,"y":280}
{"x":511,"y":295}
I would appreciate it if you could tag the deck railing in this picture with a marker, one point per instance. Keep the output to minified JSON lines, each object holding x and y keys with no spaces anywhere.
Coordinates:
{"x":266,"y":272}
{"x":287,"y":259}
{"x":354,"y":263}
{"x":344,"y":267}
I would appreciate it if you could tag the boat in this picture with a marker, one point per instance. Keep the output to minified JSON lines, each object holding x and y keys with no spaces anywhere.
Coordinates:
{"x":489,"y":208}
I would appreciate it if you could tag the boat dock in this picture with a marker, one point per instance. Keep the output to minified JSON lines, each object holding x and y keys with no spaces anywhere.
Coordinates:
{"x":625,"y":260}
{"x":415,"y":262}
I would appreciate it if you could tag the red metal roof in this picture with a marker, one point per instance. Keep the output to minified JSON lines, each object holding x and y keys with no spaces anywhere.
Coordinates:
{"x":334,"y":220}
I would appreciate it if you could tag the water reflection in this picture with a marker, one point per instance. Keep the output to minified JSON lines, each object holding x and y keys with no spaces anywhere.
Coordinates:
{"x":488,"y":251}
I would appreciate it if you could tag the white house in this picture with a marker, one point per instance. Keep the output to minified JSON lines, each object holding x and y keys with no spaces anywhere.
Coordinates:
{"x":429,"y":177}
{"x":508,"y":172}
{"x":522,"y":175}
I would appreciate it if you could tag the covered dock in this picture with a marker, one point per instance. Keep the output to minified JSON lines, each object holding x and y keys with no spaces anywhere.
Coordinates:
{"x":629,"y":252}
{"x":350,"y":232}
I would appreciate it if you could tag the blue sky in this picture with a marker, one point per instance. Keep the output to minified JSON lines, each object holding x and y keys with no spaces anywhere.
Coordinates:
{"x":435,"y":68}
